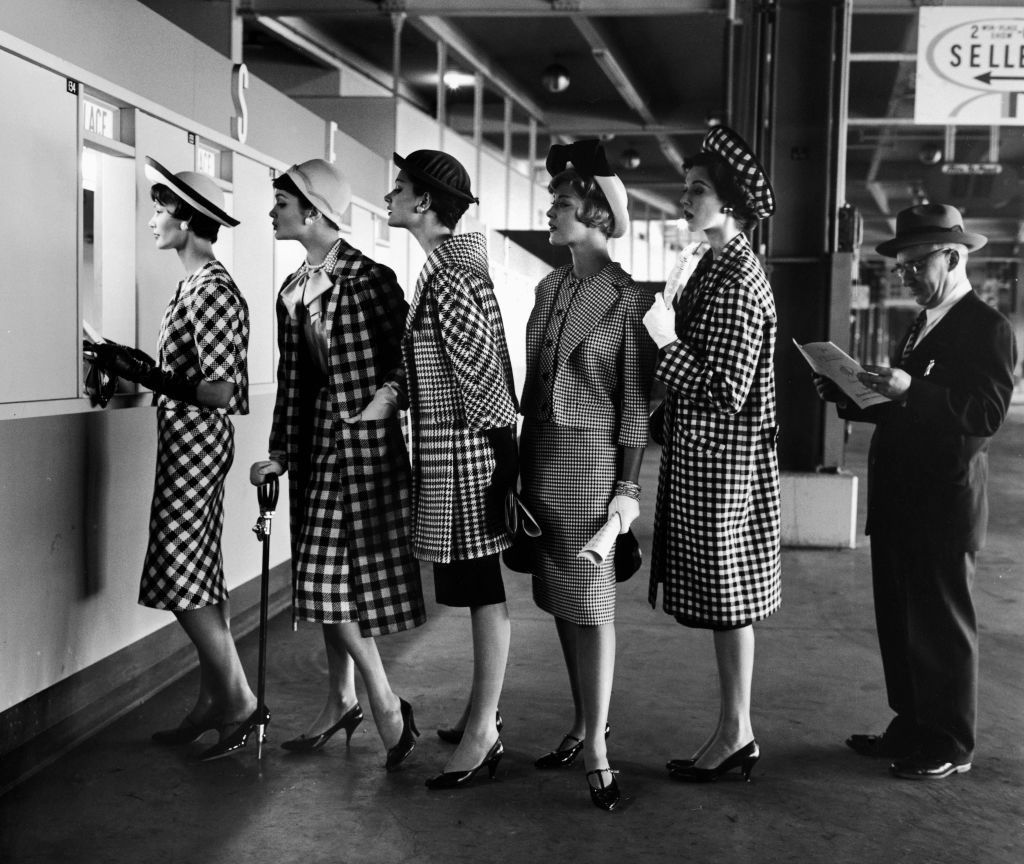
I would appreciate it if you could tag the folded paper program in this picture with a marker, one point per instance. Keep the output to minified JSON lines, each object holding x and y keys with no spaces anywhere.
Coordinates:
{"x":826,"y":358}
{"x":601,"y":543}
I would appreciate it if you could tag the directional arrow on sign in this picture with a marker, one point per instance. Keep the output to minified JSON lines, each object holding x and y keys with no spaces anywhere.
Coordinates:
{"x":988,"y":78}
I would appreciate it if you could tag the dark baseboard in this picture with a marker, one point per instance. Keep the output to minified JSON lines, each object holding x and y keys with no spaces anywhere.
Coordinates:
{"x":40,"y":729}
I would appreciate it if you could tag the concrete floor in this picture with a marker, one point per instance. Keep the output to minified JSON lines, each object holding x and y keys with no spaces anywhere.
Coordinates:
{"x":116,"y":798}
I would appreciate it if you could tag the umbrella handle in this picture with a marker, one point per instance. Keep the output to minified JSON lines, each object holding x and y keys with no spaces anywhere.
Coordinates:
{"x":266,"y":495}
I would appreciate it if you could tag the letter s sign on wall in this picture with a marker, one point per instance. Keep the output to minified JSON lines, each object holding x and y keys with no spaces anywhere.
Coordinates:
{"x":239,"y":84}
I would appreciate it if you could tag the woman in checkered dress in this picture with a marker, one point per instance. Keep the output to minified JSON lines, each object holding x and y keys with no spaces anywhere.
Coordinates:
{"x":463,"y":434}
{"x":584,"y":433}
{"x":200,"y":379}
{"x":337,"y":432}
{"x":716,"y":531}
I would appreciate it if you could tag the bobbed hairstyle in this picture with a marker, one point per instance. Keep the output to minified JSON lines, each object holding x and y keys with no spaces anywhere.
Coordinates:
{"x":284,"y":183}
{"x":200,"y":225}
{"x":594,"y":211}
{"x":724,"y":179}
{"x":448,"y":208}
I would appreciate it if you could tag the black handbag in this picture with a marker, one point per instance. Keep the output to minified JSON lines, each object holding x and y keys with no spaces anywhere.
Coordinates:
{"x":656,"y":424}
{"x":520,"y":523}
{"x":628,"y":556}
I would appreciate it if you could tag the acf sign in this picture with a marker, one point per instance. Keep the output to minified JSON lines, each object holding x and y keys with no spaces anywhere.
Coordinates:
{"x":970,"y":66}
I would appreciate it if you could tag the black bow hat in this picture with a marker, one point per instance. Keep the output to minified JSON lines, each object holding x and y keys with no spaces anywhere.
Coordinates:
{"x":588,"y":158}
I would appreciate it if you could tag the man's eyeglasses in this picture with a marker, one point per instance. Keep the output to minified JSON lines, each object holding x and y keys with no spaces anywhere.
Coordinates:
{"x":912,"y":268}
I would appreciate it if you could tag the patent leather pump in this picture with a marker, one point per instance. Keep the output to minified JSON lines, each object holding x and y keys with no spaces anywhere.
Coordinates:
{"x":457,"y":779}
{"x":308,"y":743}
{"x":564,"y":757}
{"x":186,"y":733}
{"x":745,"y":758}
{"x":406,"y":741}
{"x":605,"y":796}
{"x":454,"y":736}
{"x":237,"y":739}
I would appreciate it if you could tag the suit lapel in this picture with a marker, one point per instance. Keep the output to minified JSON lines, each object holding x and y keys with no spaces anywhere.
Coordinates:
{"x":583,"y":317}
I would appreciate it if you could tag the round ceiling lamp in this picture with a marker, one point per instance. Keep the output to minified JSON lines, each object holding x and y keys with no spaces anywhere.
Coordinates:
{"x":555,"y":78}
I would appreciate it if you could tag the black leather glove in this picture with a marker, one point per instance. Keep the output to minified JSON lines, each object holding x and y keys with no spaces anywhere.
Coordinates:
{"x":132,"y":364}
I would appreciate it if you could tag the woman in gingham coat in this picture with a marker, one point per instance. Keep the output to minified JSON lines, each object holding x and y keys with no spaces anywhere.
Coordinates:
{"x":584,"y":433}
{"x":716,"y":526}
{"x":336,"y":431}
{"x":200,"y":379}
{"x":463,"y":434}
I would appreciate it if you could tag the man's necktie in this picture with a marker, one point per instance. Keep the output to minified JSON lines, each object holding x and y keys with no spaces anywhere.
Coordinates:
{"x":915,"y":331}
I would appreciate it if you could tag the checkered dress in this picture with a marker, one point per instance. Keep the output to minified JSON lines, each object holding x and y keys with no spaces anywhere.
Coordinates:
{"x":716,"y":526}
{"x":458,"y":369}
{"x":205,"y":333}
{"x":348,"y":483}
{"x":588,"y":373}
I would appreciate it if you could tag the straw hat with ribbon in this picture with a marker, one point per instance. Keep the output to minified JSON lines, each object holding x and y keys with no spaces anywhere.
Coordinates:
{"x":197,"y":190}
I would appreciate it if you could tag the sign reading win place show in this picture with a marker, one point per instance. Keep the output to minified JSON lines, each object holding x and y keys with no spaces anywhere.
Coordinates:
{"x":970,"y":66}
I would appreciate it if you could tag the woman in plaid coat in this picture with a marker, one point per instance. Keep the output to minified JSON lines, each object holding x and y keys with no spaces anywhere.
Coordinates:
{"x":584,"y":432}
{"x":336,"y":431}
{"x":463,"y":434}
{"x":200,"y":379}
{"x":716,"y":529}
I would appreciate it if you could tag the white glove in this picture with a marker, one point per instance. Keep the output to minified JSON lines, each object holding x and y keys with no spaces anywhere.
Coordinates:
{"x":383,"y":405}
{"x":660,"y":321}
{"x":627,"y":508}
{"x":260,"y":472}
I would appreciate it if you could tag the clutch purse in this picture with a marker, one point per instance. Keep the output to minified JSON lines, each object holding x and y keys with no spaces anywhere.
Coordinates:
{"x":656,"y":424}
{"x":628,"y":557}
{"x":524,"y":528}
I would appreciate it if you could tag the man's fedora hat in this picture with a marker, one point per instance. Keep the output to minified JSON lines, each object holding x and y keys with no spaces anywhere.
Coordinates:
{"x":587,"y":156}
{"x":929,"y":223}
{"x":195,"y":189}
{"x":439,"y":171}
{"x":324,"y":186}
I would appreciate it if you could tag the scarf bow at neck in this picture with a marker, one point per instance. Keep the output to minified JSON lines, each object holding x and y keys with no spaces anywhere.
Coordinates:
{"x":308,"y":284}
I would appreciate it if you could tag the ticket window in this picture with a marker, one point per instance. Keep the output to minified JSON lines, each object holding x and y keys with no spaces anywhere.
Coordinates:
{"x":108,"y":215}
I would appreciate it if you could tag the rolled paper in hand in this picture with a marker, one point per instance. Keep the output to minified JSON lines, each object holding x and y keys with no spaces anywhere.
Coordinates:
{"x":596,"y":551}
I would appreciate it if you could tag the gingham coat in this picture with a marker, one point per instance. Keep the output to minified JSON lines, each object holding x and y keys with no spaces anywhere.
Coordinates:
{"x":716,"y":527}
{"x":364,"y":314}
{"x":458,"y":377}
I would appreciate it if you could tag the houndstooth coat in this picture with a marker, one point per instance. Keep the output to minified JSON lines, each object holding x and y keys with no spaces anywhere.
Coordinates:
{"x":458,"y":377}
{"x":716,"y":527}
{"x":364,"y":314}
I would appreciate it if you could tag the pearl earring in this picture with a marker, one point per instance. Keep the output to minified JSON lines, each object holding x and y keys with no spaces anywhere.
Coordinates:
{"x":727,"y":210}
{"x":308,"y":220}
{"x":184,"y":226}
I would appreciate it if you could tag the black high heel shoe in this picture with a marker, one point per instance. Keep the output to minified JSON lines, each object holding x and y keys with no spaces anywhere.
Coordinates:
{"x":307,"y":744}
{"x":406,"y":742}
{"x":456,"y":779}
{"x":606,"y":797}
{"x":187,"y":732}
{"x":454,"y":736}
{"x":228,"y":744}
{"x":564,"y":757}
{"x":745,"y":758}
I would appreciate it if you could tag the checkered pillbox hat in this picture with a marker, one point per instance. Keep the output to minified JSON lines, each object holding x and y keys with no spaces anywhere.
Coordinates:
{"x":750,"y":174}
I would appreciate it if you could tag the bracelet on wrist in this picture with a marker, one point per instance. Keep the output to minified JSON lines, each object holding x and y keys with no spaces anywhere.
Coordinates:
{"x":627,"y":488}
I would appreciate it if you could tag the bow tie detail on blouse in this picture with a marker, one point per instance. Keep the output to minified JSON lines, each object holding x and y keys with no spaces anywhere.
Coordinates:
{"x":308,"y":284}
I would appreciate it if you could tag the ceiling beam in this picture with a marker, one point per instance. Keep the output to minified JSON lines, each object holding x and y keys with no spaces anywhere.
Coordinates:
{"x":436,"y":28}
{"x":615,"y":70}
{"x":309,"y":41}
{"x":487,"y":8}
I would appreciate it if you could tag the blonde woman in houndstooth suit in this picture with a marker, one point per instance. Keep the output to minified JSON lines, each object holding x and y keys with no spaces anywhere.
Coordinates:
{"x":585,"y":404}
{"x":463,"y":433}
{"x":716,"y":524}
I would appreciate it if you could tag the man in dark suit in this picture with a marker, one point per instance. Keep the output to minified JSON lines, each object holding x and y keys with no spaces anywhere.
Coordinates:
{"x":950,"y":385}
